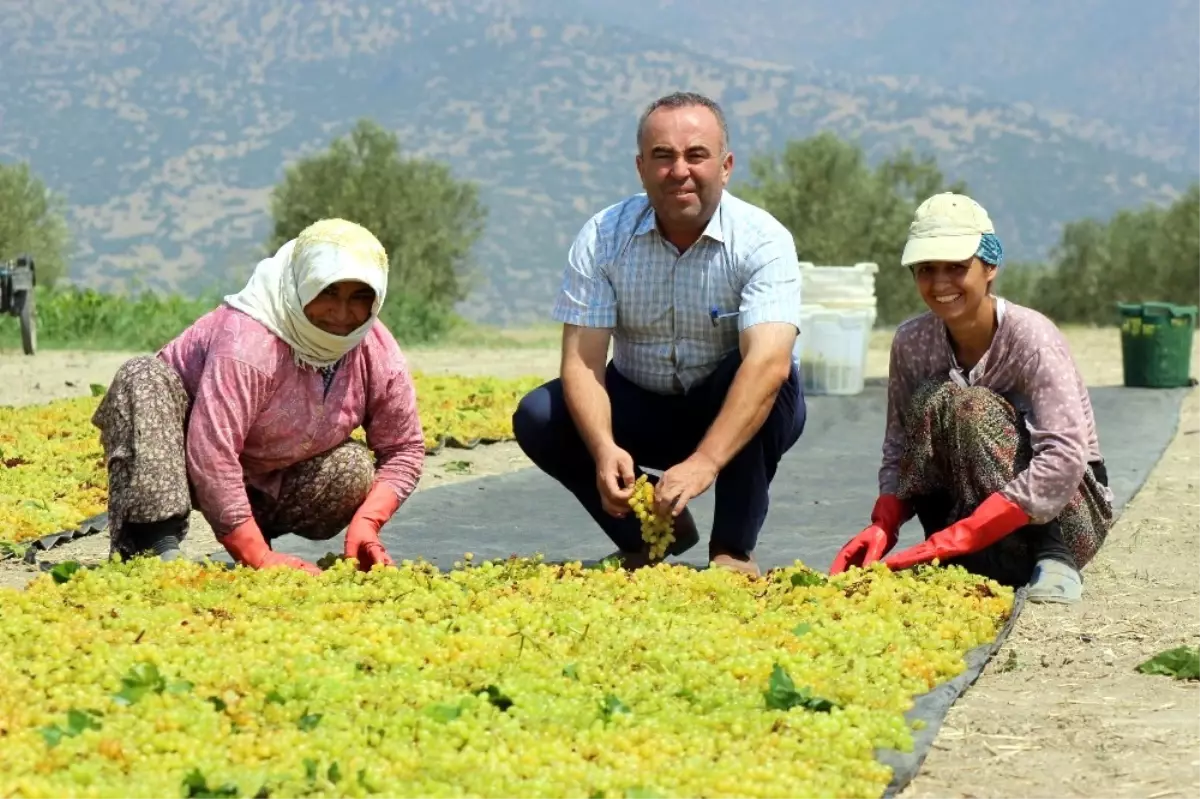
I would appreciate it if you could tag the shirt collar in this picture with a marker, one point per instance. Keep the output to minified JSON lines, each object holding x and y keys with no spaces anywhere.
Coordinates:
{"x":713,"y":230}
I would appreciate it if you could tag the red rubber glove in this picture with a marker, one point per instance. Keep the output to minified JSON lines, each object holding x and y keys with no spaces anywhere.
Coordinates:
{"x":248,"y":546}
{"x":362,"y":536}
{"x":877,"y":540}
{"x":994,"y":519}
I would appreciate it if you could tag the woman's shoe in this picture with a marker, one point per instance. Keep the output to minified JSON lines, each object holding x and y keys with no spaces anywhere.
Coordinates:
{"x":1055,"y":581}
{"x":160,"y":538}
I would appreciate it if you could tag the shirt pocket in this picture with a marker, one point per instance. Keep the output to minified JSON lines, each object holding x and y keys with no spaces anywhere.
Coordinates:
{"x":721,"y":291}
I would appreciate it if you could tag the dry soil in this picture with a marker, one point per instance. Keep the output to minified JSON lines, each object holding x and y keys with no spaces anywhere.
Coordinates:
{"x":1060,"y":711}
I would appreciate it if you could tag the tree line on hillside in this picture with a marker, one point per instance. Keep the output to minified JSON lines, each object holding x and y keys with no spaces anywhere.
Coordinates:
{"x":1140,"y":255}
{"x":839,"y":208}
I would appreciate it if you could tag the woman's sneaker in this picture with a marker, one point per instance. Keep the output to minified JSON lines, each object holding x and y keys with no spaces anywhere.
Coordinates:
{"x":159,"y":538}
{"x":1055,"y":581}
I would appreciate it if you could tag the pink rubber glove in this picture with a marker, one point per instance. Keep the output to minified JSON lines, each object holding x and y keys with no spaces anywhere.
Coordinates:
{"x":248,"y":546}
{"x":994,"y":519}
{"x":362,"y":536}
{"x":877,"y":540}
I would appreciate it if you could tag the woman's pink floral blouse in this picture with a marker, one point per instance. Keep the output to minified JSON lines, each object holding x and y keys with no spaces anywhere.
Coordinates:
{"x":1030,"y":364}
{"x":254,"y":411}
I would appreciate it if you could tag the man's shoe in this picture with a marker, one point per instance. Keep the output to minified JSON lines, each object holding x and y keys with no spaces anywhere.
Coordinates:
{"x":734,"y":561}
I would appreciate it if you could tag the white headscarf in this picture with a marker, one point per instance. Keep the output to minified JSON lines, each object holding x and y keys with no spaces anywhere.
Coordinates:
{"x":326,"y":252}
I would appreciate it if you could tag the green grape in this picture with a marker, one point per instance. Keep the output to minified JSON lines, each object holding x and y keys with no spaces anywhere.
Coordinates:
{"x":507,"y":678}
{"x":657,"y":531}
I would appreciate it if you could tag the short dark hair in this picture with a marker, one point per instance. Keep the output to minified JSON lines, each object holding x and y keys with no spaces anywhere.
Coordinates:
{"x":684,"y":100}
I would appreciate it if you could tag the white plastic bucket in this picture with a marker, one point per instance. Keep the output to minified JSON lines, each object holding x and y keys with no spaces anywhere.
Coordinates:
{"x":831,"y":349}
{"x":838,"y":286}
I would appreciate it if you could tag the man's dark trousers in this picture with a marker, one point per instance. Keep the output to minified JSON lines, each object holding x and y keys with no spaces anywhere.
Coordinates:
{"x":660,"y":431}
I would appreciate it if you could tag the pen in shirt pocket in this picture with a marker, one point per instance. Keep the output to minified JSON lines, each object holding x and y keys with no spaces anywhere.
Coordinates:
{"x":716,"y":315}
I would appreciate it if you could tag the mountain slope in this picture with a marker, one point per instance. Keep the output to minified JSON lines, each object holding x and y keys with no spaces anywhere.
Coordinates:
{"x":167,"y":129}
{"x":1129,"y":73}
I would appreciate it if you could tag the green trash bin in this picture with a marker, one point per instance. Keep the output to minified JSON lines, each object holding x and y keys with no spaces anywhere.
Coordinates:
{"x":1156,"y":343}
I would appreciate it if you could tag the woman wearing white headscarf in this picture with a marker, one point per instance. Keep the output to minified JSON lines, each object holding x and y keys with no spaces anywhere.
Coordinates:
{"x":247,"y":414}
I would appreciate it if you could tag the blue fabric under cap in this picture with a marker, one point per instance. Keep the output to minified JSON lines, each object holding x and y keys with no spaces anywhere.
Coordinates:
{"x":990,"y":249}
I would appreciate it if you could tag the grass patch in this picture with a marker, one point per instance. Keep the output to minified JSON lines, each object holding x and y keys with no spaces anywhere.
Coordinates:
{"x":84,"y":319}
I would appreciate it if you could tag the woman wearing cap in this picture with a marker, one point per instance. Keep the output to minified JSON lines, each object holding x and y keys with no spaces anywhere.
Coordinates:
{"x":990,"y":437}
{"x":248,"y":413}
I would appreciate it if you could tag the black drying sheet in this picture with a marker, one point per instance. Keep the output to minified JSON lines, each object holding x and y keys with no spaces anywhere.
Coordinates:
{"x":821,"y":496}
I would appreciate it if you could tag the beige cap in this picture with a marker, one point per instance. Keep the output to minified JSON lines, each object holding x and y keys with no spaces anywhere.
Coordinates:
{"x":946,"y":227}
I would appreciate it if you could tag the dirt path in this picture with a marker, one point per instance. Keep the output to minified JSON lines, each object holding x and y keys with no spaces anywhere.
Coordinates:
{"x":1059,"y":712}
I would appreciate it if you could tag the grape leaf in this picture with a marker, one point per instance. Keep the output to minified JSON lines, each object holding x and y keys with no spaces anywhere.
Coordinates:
{"x":329,"y":560}
{"x":1182,"y":663}
{"x":196,"y":786}
{"x":807,"y":578}
{"x":801,"y":629}
{"x":498,"y":698}
{"x":781,"y":694}
{"x":142,"y":679}
{"x":10,"y":550}
{"x":62,"y":572}
{"x":443,"y":713}
{"x":53,"y":735}
{"x":611,"y":706}
{"x":571,"y":671}
{"x":334,"y":773}
{"x":80,"y":720}
{"x":309,"y":721}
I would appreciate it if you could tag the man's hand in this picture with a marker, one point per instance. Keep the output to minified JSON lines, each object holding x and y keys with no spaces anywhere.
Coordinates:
{"x":683,"y":482}
{"x":584,"y":352}
{"x":615,"y":478}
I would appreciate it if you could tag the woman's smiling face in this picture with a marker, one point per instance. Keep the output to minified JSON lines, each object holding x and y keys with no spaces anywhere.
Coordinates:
{"x":342,"y":307}
{"x":953,"y":291}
